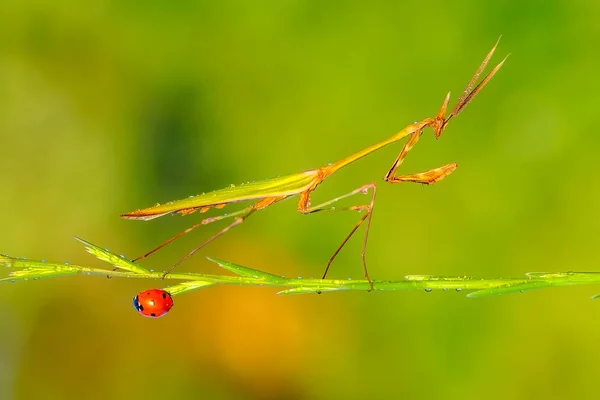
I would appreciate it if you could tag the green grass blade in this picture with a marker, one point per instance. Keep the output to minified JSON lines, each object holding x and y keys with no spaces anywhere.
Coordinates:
{"x":38,"y":273}
{"x":508,"y":289}
{"x":436,"y":278}
{"x":111,"y":258}
{"x":35,"y":269}
{"x":310,"y":290}
{"x":248,"y":272}
{"x":13,"y":262}
{"x":566,"y":276}
{"x":185,"y":287}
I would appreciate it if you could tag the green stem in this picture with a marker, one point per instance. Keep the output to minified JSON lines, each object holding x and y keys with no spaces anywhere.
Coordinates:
{"x":24,"y":269}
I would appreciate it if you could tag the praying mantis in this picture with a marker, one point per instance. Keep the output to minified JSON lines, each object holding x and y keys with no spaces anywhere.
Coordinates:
{"x":267,"y":192}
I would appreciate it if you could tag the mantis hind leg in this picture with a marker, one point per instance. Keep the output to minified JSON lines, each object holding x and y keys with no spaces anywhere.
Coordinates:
{"x":191,"y":228}
{"x":240,"y":216}
{"x":305,"y":208}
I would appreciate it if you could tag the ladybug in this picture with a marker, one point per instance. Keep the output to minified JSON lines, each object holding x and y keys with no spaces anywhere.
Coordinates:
{"x":153,"y":303}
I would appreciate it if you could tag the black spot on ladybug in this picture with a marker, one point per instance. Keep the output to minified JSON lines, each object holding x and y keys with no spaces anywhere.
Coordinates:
{"x":141,"y":307}
{"x":153,"y":315}
{"x":164,"y":295}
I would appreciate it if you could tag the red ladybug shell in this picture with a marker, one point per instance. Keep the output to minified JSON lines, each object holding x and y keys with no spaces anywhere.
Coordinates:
{"x":153,"y":303}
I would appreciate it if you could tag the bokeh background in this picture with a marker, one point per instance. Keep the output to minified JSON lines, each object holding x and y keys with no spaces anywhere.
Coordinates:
{"x":107,"y":106}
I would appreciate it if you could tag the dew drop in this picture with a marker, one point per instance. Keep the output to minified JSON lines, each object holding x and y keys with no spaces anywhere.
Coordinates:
{"x":299,"y":277}
{"x":151,"y":270}
{"x":43,"y":260}
{"x":365,"y":191}
{"x":66,"y":263}
{"x":12,"y":281}
{"x":428,"y":290}
{"x":232,"y":185}
{"x":458,"y":289}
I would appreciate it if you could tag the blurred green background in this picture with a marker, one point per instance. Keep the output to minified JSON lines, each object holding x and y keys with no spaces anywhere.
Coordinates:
{"x":106,"y":107}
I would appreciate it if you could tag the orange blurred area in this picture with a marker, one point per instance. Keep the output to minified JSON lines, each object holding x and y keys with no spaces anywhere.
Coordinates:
{"x":108,"y":107}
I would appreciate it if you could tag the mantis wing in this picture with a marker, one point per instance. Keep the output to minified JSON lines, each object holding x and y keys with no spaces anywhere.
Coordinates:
{"x":277,"y":187}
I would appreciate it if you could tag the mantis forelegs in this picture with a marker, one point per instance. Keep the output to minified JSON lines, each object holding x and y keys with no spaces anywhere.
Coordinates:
{"x":427,"y":177}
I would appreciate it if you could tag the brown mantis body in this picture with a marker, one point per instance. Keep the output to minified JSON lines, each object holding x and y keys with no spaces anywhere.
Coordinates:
{"x":270,"y":191}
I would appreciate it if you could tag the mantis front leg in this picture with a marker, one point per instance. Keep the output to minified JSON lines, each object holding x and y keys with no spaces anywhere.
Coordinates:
{"x":305,"y":208}
{"x":428,"y":177}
